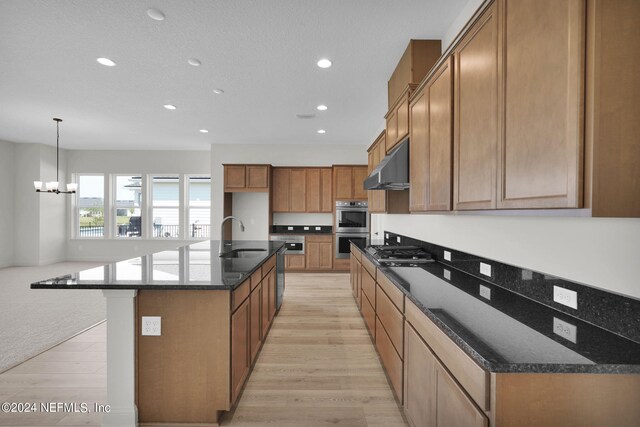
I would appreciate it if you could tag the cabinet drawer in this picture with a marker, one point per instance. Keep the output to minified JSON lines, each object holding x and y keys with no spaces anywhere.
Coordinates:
{"x":322,"y":238}
{"x":268,"y":265}
{"x":390,"y":359}
{"x":240,"y":294}
{"x":391,"y":319}
{"x":369,"y":316}
{"x":395,"y":295}
{"x":256,"y":278}
{"x":356,"y":252}
{"x":371,"y":268}
{"x":453,"y":407}
{"x":468,"y":373}
{"x":368,"y":287}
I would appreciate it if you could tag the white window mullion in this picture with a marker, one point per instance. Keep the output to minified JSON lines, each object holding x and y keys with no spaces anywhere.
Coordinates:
{"x":145,"y":209}
{"x":108,"y":206}
{"x":182,"y":207}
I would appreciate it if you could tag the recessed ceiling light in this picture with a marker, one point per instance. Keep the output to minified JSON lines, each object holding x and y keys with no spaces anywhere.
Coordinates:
{"x":305,"y":116}
{"x":155,"y":14}
{"x":106,"y":61}
{"x":194,"y":61}
{"x":324,"y":63}
{"x":322,"y":107}
{"x":204,"y":131}
{"x":322,"y":131}
{"x":170,"y":107}
{"x":218,"y":91}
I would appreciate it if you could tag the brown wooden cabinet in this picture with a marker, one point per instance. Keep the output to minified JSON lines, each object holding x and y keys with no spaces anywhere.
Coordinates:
{"x":384,"y":201}
{"x":302,"y":190}
{"x":240,"y":349}
{"x":255,"y":331}
{"x":541,"y":156}
{"x":294,"y":262}
{"x":348,"y":182}
{"x":319,"y":252}
{"x":431,"y":142}
{"x":431,"y":395}
{"x":398,"y":119}
{"x":271,"y":277}
{"x":265,"y":308}
{"x":246,"y":178}
{"x":476,"y":132}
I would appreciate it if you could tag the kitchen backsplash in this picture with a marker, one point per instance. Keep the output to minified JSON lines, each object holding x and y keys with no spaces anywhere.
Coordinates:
{"x":613,"y":312}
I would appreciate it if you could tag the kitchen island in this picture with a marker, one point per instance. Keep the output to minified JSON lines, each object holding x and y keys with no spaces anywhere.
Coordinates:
{"x":177,"y":352}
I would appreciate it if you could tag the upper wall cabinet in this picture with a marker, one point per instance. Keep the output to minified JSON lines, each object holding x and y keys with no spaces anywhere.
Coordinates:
{"x":384,"y":201}
{"x":540,"y":157}
{"x":416,"y":61}
{"x":430,"y":142}
{"x":476,"y":80}
{"x":302,"y":190}
{"x":348,"y":182}
{"x":398,"y":119}
{"x":246,"y":178}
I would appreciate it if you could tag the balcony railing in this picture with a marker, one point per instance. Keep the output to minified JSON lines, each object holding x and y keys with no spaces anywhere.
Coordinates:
{"x":201,"y":231}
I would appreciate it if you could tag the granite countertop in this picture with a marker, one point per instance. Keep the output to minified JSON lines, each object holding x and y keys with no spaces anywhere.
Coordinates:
{"x":192,"y":267}
{"x":505,"y":332}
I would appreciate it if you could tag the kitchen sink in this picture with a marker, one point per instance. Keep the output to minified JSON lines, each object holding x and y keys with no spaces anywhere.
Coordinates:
{"x":244,"y":253}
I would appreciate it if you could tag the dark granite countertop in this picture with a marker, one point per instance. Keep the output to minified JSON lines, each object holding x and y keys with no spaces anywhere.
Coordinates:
{"x":192,"y":267}
{"x":505,"y":332}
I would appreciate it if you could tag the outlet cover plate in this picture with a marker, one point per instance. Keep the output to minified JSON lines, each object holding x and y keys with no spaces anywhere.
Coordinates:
{"x":151,"y":326}
{"x":485,"y":292}
{"x":565,"y":297}
{"x":447,"y":256}
{"x":565,"y":329}
{"x":485,"y":269}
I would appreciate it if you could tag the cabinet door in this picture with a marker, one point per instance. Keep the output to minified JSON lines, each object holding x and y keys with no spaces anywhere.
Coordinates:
{"x":312,"y":252}
{"x":313,"y":190}
{"x":272,"y":293}
{"x":298,"y":191}
{"x":240,"y":357}
{"x":326,"y":255}
{"x":234,"y":177}
{"x":258,"y":177}
{"x":256,"y":330}
{"x":418,"y":148}
{"x":540,"y":163}
{"x":453,"y":407}
{"x":440,"y":136}
{"x":326,"y":188}
{"x":342,"y":182}
{"x":419,"y":381}
{"x":476,"y":115}
{"x":402,"y":116}
{"x":294,"y":262}
{"x":392,"y":130}
{"x":281,"y":189}
{"x":359,"y":175}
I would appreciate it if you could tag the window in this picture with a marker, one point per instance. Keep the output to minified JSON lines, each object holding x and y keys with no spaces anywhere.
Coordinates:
{"x":127,"y":206}
{"x":199,"y":203}
{"x":166,"y":206}
{"x":90,"y":206}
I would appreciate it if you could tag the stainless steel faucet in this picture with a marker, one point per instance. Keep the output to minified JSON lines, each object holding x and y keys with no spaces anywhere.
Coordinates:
{"x":220,"y":251}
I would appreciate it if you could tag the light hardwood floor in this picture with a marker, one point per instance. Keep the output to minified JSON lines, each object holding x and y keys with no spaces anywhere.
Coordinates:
{"x":318,"y":367}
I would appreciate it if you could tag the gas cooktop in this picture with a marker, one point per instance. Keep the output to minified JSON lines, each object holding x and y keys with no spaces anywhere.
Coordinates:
{"x":399,"y":255}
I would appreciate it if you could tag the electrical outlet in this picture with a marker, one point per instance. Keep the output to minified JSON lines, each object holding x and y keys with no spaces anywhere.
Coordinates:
{"x":527,"y":274}
{"x":447,"y":256}
{"x":447,"y":274}
{"x":398,"y":239}
{"x":306,"y":228}
{"x":290,"y":228}
{"x":565,"y":297}
{"x":318,"y":228}
{"x":151,"y":326}
{"x":485,"y":269}
{"x":485,"y":292}
{"x":387,"y":236}
{"x":565,"y":329}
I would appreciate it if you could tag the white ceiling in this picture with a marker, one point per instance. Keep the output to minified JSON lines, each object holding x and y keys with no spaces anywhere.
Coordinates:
{"x":263,"y":54}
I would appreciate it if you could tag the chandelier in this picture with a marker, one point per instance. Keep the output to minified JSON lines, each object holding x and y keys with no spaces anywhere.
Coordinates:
{"x":52,"y":186}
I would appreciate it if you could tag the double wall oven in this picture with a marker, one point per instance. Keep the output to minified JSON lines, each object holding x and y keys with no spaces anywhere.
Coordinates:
{"x":352,"y":224}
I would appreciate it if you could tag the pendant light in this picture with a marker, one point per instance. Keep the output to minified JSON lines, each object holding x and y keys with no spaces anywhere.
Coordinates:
{"x":52,"y":186}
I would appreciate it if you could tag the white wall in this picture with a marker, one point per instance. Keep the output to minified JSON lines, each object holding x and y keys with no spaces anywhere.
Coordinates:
{"x":52,"y":239}
{"x":253,"y":210}
{"x":7,"y":172}
{"x":26,"y":204}
{"x":130,"y":162}
{"x":276,"y":155}
{"x":467,"y":12}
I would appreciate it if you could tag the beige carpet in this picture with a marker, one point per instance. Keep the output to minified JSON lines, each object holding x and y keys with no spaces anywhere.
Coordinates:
{"x":34,"y":320}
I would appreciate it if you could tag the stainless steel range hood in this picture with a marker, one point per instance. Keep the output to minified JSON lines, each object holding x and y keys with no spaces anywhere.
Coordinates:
{"x":393,"y":171}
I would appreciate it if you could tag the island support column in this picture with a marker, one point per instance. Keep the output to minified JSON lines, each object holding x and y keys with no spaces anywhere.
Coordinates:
{"x":120,"y":358}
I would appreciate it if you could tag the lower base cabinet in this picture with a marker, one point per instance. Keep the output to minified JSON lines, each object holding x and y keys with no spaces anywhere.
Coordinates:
{"x":431,"y":395}
{"x":240,"y":348}
{"x":319,"y":252}
{"x":255,"y":304}
{"x":294,"y":262}
{"x":390,"y":359}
